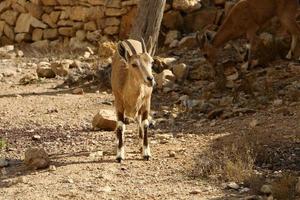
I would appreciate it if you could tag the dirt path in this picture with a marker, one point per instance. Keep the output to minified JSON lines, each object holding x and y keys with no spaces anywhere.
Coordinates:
{"x":63,"y":120}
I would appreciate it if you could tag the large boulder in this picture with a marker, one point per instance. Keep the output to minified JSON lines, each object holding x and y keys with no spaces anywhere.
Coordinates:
{"x":44,"y":70}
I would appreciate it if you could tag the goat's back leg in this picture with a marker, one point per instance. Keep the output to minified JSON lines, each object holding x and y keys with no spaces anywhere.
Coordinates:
{"x":120,"y":132}
{"x":252,"y":37}
{"x":288,"y":20}
{"x":291,"y":25}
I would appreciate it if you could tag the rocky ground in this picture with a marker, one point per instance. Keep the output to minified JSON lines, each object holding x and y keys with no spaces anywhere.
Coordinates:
{"x":206,"y":144}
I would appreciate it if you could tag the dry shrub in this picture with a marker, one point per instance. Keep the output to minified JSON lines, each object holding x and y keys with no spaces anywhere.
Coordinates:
{"x":229,"y":160}
{"x":235,"y":157}
{"x":284,"y":187}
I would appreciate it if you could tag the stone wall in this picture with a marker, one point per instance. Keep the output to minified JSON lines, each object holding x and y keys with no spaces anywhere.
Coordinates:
{"x":75,"y":22}
{"x":46,"y":22}
{"x":49,"y":22}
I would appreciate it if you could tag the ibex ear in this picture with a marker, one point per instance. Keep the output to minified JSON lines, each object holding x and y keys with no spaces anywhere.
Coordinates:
{"x":201,"y":39}
{"x":122,"y":51}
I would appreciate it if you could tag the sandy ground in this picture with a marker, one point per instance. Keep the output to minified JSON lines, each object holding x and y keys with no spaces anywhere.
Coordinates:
{"x":63,"y":120}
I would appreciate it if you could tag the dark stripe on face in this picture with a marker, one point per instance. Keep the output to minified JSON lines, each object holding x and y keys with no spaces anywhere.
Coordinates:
{"x":131,"y":47}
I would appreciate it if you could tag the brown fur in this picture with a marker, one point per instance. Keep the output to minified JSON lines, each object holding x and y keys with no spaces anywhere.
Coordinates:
{"x":247,"y":16}
{"x":132,"y":84}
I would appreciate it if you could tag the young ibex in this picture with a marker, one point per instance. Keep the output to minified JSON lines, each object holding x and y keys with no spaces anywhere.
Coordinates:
{"x":132,"y":83}
{"x":245,"y":18}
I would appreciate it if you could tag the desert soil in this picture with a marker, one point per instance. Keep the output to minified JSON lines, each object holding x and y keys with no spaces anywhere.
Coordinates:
{"x":84,"y":159}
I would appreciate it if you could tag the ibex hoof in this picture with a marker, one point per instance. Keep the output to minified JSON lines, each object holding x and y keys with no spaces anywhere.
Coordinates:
{"x":289,"y":56}
{"x":119,"y":159}
{"x":151,"y":125}
{"x":147,"y":158}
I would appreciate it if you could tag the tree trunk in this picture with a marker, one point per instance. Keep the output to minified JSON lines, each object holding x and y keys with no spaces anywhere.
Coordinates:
{"x":148,"y":21}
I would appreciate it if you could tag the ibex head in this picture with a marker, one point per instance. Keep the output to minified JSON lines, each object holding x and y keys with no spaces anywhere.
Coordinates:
{"x":138,"y":59}
{"x":204,"y":40}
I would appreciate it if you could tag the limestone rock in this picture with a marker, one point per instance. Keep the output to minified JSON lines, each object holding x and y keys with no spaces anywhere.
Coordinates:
{"x":79,"y":13}
{"x":111,"y":30}
{"x":107,"y":49}
{"x":97,"y":2}
{"x":164,"y":78}
{"x":36,"y":158}
{"x":104,"y":120}
{"x":180,"y":71}
{"x":60,"y":68}
{"x":90,"y":26}
{"x":47,"y":19}
{"x":34,"y":9}
{"x":20,"y":37}
{"x":187,"y":5}
{"x":49,"y":2}
{"x":43,"y":44}
{"x":9,"y":32}
{"x":66,"y":31}
{"x":171,"y":36}
{"x":9,"y":17}
{"x":44,"y":70}
{"x":50,"y":33}
{"x":37,"y":34}
{"x":112,"y":21}
{"x":28,"y":79}
{"x":4,"y":5}
{"x":115,"y":12}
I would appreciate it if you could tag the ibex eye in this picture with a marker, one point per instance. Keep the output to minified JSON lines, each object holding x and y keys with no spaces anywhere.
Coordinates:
{"x":134,"y":65}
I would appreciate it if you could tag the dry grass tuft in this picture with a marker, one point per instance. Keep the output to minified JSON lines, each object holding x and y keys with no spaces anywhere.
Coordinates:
{"x":237,"y":157}
{"x":284,"y":187}
{"x":228,"y":160}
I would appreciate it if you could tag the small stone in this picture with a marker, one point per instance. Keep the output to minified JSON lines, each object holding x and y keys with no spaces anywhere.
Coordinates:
{"x":86,"y":55}
{"x":70,"y":181}
{"x":172,"y":154}
{"x":20,"y":53}
{"x":266,"y":189}
{"x":36,"y":158}
{"x":253,"y":123}
{"x":97,"y":154}
{"x":36,"y":137}
{"x":233,"y":185}
{"x":244,"y":190}
{"x":195,"y":192}
{"x":277,"y":102}
{"x":106,"y":189}
{"x":3,"y":162}
{"x":180,"y":71}
{"x":52,"y":168}
{"x":78,"y":91}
